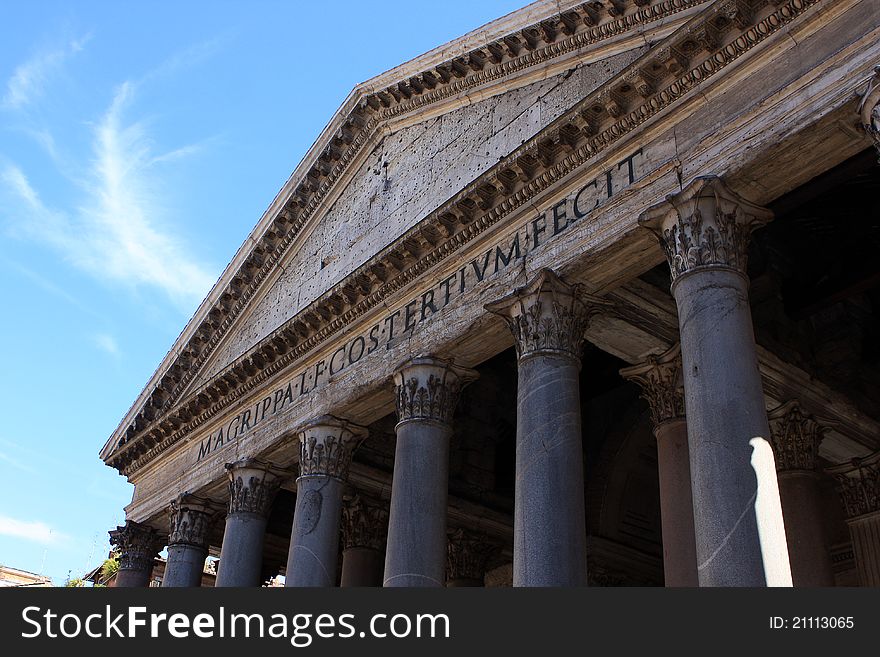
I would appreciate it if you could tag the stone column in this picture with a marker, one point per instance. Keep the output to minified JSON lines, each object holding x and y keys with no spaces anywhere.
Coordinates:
{"x":326,"y":445}
{"x":466,"y":557}
{"x":859,"y":487}
{"x":796,"y":437}
{"x":253,"y":485}
{"x":191,"y":521}
{"x":661,"y":382}
{"x":740,"y":536}
{"x":427,"y":393}
{"x":138,"y":546}
{"x":364,"y":523}
{"x":548,"y":319}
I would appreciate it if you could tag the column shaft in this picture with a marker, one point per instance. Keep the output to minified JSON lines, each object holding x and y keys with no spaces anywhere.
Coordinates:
{"x":550,"y":536}
{"x":676,"y":504}
{"x":739,"y":532}
{"x":548,"y":319}
{"x":865,"y":533}
{"x":427,"y":393}
{"x":805,"y":529}
{"x":325,"y":455}
{"x":362,"y":566}
{"x":253,"y":486}
{"x":184,"y":566}
{"x":416,"y":551}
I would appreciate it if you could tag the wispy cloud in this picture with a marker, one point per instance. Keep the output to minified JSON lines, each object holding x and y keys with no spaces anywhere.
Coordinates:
{"x":106,"y":342}
{"x":29,"y":530}
{"x":15,"y":463}
{"x":29,"y":79}
{"x":118,"y":232}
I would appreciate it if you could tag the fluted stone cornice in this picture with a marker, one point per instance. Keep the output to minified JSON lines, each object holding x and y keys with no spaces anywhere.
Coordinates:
{"x":705,"y":226}
{"x":661,"y":383}
{"x":428,"y":389}
{"x":364,"y":523}
{"x":795,"y":436}
{"x":326,"y":445}
{"x":869,"y":109}
{"x":702,"y":48}
{"x":467,"y":555}
{"x":253,"y":485}
{"x":138,"y":545}
{"x":858,"y":483}
{"x":192,"y":519}
{"x":548,"y":317}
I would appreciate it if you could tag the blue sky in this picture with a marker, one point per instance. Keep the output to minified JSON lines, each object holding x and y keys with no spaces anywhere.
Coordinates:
{"x":139,"y":144}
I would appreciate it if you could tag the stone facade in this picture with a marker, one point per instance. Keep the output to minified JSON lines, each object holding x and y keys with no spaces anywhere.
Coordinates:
{"x":440,"y":320}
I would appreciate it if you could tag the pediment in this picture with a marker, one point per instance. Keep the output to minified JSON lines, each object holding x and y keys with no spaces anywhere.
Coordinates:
{"x":398,"y":174}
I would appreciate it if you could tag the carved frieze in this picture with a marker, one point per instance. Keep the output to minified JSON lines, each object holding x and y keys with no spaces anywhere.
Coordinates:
{"x":253,"y":485}
{"x":192,"y":519}
{"x":428,"y":389}
{"x":858,"y":483}
{"x":326,"y":446}
{"x":364,"y":523}
{"x":795,"y":436}
{"x":548,"y":316}
{"x":661,"y":383}
{"x":706,"y":225}
{"x":467,"y":555}
{"x":137,"y":544}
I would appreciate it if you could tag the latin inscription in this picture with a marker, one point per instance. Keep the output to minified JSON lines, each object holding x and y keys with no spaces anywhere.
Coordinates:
{"x":385,"y":333}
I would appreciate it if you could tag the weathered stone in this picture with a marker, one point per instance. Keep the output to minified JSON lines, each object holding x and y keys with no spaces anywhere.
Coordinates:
{"x":427,"y":392}
{"x":253,"y":485}
{"x":326,"y":444}
{"x":740,"y":536}
{"x":138,"y":546}
{"x":192,"y":518}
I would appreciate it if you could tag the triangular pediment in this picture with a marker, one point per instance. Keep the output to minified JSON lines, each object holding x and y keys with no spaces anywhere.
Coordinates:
{"x":416,"y":141}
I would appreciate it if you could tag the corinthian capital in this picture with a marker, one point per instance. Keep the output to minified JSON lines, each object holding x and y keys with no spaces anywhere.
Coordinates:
{"x":795,"y":436}
{"x":191,"y":520}
{"x":253,"y":485}
{"x":869,"y":109}
{"x":548,"y":316}
{"x":704,"y":226}
{"x":137,"y":544}
{"x":660,"y":379}
{"x":467,"y":555}
{"x":428,"y":389}
{"x":326,"y":445}
{"x":364,"y":523}
{"x":859,"y":485}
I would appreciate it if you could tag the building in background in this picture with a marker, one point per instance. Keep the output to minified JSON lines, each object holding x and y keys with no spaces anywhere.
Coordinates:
{"x":586,"y":296}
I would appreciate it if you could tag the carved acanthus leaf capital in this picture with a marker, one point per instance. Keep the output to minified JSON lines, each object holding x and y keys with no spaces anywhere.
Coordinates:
{"x":869,"y":109}
{"x":467,"y":555}
{"x":364,"y":523}
{"x":326,"y":445}
{"x":137,"y":544}
{"x":795,"y":436}
{"x":661,"y":382}
{"x":192,"y":519}
{"x":253,"y":485}
{"x":705,"y":226}
{"x":428,"y":389}
{"x":548,"y":316}
{"x":859,"y":485}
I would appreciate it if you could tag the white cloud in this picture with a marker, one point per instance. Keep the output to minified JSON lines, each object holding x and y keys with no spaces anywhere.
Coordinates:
{"x":15,"y":463}
{"x":29,"y":79}
{"x":107,"y":342}
{"x":38,"y":532}
{"x":117,"y":233}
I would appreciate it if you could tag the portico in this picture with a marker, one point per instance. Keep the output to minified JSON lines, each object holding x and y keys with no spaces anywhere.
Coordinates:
{"x":565,"y":342}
